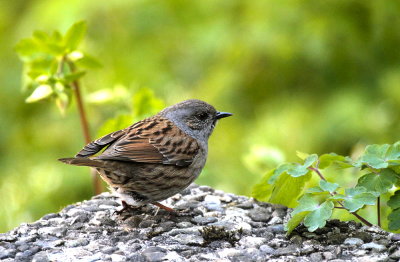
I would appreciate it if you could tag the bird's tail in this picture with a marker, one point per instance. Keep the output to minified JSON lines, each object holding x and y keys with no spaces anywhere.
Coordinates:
{"x":82,"y":161}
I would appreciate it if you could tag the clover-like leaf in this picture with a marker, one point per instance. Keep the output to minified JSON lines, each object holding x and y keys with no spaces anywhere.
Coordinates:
{"x":294,"y":221}
{"x":327,"y":160}
{"x":75,"y":35}
{"x":315,"y":190}
{"x":327,"y":186}
{"x":394,"y":201}
{"x":324,"y":187}
{"x":41,"y":92}
{"x":301,"y":170}
{"x":287,"y":189}
{"x":380,"y":156}
{"x":262,"y":191}
{"x":380,"y":182}
{"x":394,"y":220}
{"x":278,"y":171}
{"x":306,"y":203}
{"x":374,"y":156}
{"x":317,"y":218}
{"x":317,"y":213}
{"x":356,"y":198}
{"x":393,"y":153}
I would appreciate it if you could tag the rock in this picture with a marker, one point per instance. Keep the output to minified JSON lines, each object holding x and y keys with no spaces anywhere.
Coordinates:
{"x":212,"y":203}
{"x":217,"y":226}
{"x":260,"y":214}
{"x":395,"y":237}
{"x":117,"y":258}
{"x":77,"y":242}
{"x":249,"y":241}
{"x":284,"y":251}
{"x":267,"y":249}
{"x":246,"y":205}
{"x":199,"y":220}
{"x":374,"y":246}
{"x":279,"y":228}
{"x":352,"y":241}
{"x":395,"y":254}
{"x":316,"y":257}
{"x":40,"y":257}
{"x":187,"y":239}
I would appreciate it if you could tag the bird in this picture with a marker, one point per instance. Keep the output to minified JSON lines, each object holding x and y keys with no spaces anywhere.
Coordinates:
{"x":155,"y":158}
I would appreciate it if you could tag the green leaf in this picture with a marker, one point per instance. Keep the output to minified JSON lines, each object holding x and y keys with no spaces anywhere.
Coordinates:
{"x":297,"y":170}
{"x":317,"y":218}
{"x":315,"y":190}
{"x":374,"y":156}
{"x":88,"y":61}
{"x":263,"y":190}
{"x":394,"y":201}
{"x":311,"y":159}
{"x":356,"y":198}
{"x":75,"y":35}
{"x":394,"y":220}
{"x":327,"y":160}
{"x":306,"y":203}
{"x":41,"y":36}
{"x":62,"y":102}
{"x":338,"y":197}
{"x":318,"y":213}
{"x":380,"y":156}
{"x":73,"y":76}
{"x":26,"y":48}
{"x":302,"y":155}
{"x":294,"y":221}
{"x":393,"y":152}
{"x":327,"y":186}
{"x":287,"y":189}
{"x":41,"y":92}
{"x":380,"y":182}
{"x":278,"y":171}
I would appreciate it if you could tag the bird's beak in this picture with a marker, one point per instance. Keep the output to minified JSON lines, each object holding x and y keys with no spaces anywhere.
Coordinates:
{"x":222,"y":115}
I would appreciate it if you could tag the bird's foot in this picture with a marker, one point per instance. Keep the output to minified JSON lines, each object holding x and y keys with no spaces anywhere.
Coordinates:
{"x":173,"y":212}
{"x":125,"y":207}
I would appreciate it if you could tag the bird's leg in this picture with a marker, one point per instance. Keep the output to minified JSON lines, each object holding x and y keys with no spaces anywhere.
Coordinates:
{"x":164,"y":207}
{"x":125,"y":207}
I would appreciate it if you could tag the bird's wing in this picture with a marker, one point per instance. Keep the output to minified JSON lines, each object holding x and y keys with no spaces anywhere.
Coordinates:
{"x":97,"y":145}
{"x":153,"y":140}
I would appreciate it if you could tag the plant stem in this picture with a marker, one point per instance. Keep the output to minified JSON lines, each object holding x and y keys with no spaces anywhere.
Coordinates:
{"x":363,"y":220}
{"x":379,"y":210}
{"x":316,"y":170}
{"x":85,"y":128}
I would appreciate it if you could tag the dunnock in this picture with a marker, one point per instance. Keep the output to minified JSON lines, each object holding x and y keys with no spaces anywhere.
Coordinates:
{"x":155,"y":158}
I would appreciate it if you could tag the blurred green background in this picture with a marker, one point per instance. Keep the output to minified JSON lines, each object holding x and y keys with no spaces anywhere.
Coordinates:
{"x":315,"y":76}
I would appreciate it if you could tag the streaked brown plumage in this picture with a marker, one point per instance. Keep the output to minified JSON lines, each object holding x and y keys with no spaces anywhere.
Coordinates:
{"x":154,"y":158}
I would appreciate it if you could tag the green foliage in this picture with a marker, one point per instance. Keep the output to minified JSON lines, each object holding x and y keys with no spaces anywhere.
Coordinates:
{"x":316,"y":203}
{"x":394,"y":217}
{"x":50,"y":61}
{"x":318,"y":75}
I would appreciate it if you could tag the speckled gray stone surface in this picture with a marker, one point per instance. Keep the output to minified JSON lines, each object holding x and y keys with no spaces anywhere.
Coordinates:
{"x":213,"y":226}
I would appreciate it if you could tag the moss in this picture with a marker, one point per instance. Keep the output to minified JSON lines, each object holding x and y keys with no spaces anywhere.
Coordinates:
{"x":215,"y":233}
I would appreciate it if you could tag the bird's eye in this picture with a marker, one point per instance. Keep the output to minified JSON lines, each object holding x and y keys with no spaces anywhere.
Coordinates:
{"x":202,"y":116}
